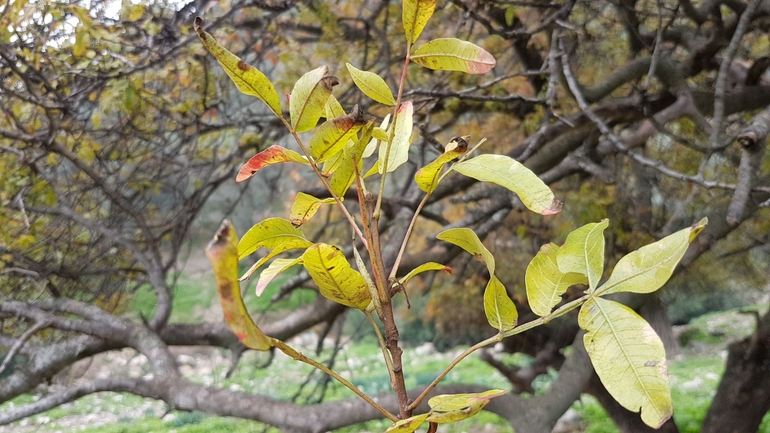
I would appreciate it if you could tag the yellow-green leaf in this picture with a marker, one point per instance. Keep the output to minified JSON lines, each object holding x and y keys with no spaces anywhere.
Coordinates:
{"x":304,"y":207}
{"x":466,"y":239}
{"x":415,"y":14}
{"x":350,"y":161}
{"x":629,"y":358}
{"x":308,"y":98}
{"x":272,"y":155}
{"x":408,"y":425}
{"x":510,"y":174}
{"x":450,"y":54}
{"x":583,"y":252}
{"x":333,"y":135}
{"x":430,"y":266}
{"x":402,"y":139}
{"x":455,"y":407}
{"x":428,"y":176}
{"x":269,"y":233}
{"x":499,"y":308}
{"x":335,"y":278}
{"x":372,"y":85}
{"x":222,"y":251}
{"x":648,"y":268}
{"x":291,"y":244}
{"x":272,"y":271}
{"x":247,"y":78}
{"x":333,"y":108}
{"x":546,"y":283}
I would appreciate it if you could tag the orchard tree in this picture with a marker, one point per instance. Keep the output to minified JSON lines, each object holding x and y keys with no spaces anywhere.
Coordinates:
{"x":117,"y":130}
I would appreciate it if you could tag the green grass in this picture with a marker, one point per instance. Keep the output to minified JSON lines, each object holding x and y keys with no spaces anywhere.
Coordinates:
{"x":192,"y":296}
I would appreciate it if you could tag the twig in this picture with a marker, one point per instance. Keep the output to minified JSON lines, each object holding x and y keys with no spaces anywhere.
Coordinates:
{"x":721,"y":84}
{"x":20,"y":343}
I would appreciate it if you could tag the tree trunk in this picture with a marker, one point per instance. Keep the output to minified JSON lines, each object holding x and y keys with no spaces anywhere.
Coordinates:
{"x":625,"y":420}
{"x":743,"y":396}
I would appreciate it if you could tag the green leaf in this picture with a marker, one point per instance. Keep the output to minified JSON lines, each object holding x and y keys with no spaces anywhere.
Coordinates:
{"x":466,"y":239}
{"x":269,"y":233}
{"x":499,"y":308}
{"x":510,"y":174}
{"x":308,"y":99}
{"x":333,"y":135}
{"x":415,"y":14}
{"x":629,"y":358}
{"x":351,"y":161}
{"x":430,"y":266}
{"x":372,"y":85}
{"x":428,"y":176}
{"x":222,"y":252}
{"x":291,"y":244}
{"x":402,"y":139}
{"x":333,"y":108}
{"x":381,"y":134}
{"x":456,"y":407}
{"x":335,"y":278}
{"x":408,"y":425}
{"x":272,"y":155}
{"x":247,"y":78}
{"x":546,"y":283}
{"x":272,"y":271}
{"x":583,"y":252}
{"x":450,"y":54}
{"x":304,"y":207}
{"x":648,"y":268}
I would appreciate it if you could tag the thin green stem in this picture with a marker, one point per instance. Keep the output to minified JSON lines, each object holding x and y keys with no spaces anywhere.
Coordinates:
{"x":422,"y":204}
{"x":564,"y":309}
{"x":491,"y":340}
{"x":408,"y":234}
{"x":381,"y":340}
{"x":393,"y":131}
{"x":291,"y":352}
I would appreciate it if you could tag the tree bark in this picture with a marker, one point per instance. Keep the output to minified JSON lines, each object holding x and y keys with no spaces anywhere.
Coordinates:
{"x":743,"y":396}
{"x":625,"y":420}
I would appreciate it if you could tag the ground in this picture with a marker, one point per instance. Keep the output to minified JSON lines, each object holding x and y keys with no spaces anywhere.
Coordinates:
{"x":694,"y":376}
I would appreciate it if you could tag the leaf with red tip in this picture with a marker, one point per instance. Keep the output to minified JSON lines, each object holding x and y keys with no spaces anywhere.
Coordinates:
{"x":222,"y":252}
{"x":450,"y":54}
{"x":509,"y":173}
{"x":272,"y":155}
